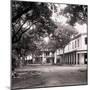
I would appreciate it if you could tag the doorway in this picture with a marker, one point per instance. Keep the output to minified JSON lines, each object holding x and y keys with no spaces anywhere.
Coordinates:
{"x":85,"y":58}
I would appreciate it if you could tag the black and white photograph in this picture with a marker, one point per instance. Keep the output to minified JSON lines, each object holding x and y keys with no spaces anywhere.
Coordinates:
{"x":49,"y":44}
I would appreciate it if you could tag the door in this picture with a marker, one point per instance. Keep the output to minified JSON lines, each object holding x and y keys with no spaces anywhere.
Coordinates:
{"x":85,"y":58}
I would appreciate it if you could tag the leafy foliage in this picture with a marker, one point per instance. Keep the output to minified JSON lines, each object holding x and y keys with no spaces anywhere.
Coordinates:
{"x":30,"y":22}
{"x":29,"y":14}
{"x":76,"y":13}
{"x":63,"y":35}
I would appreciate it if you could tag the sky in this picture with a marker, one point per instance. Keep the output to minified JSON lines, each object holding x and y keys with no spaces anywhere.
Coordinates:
{"x":56,"y":16}
{"x":81,"y":28}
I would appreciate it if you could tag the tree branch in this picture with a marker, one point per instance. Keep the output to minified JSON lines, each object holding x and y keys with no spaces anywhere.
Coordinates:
{"x":18,"y":30}
{"x":23,"y":33}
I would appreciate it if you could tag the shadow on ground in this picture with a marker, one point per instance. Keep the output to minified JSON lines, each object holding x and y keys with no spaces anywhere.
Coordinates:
{"x":53,"y":76}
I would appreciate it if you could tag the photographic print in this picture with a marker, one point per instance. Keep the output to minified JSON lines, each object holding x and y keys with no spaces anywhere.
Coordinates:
{"x":49,"y":44}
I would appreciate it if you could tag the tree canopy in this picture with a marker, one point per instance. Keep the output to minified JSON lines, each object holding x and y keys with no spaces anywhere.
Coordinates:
{"x":25,"y":15}
{"x":76,"y":13}
{"x":30,"y":22}
{"x":63,"y":35}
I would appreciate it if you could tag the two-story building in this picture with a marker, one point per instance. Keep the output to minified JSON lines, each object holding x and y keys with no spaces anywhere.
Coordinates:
{"x":75,"y":52}
{"x":46,"y":55}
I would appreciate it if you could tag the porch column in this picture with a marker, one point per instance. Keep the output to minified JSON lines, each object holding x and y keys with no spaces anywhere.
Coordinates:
{"x":42,"y":57}
{"x":81,"y":58}
{"x":33,"y":60}
{"x":73,"y":58}
{"x":55,"y":58}
{"x":69,"y":58}
{"x":76,"y":58}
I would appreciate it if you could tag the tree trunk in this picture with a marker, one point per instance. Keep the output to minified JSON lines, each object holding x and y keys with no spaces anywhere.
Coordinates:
{"x":33,"y":58}
{"x":63,"y":57}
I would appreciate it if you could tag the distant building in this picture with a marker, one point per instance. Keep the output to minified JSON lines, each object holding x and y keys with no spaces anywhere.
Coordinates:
{"x":75,"y":52}
{"x":47,"y":57}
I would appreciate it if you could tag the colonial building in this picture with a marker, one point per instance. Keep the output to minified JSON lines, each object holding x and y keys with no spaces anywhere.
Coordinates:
{"x":47,"y":57}
{"x":75,"y":52}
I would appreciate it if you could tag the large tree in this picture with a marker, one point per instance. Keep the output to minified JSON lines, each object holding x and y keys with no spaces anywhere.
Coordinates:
{"x":30,"y":22}
{"x":63,"y":35}
{"x":25,"y":15}
{"x":76,"y":13}
{"x":73,"y":14}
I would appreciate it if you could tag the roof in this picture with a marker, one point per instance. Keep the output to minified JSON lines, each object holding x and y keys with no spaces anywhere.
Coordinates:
{"x":78,"y":35}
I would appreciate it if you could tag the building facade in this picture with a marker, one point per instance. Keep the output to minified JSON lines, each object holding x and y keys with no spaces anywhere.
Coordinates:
{"x":75,"y":52}
{"x":47,"y":57}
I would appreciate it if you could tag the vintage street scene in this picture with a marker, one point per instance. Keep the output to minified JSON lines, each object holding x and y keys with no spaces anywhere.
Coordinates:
{"x":49,"y":44}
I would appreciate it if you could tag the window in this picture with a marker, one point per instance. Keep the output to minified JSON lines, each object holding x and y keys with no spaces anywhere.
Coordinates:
{"x":53,"y":52}
{"x":47,"y":53}
{"x":85,"y":58}
{"x":85,"y":40}
{"x":68,"y":47}
{"x":72,"y":45}
{"x":48,"y":60}
{"x":75,"y":43}
{"x":78,"y":42}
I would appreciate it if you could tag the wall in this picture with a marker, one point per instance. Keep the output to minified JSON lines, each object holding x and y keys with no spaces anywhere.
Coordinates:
{"x":75,"y":45}
{"x":81,"y":58}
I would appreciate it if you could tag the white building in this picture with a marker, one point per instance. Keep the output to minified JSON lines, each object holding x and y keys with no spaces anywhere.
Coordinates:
{"x":75,"y":52}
